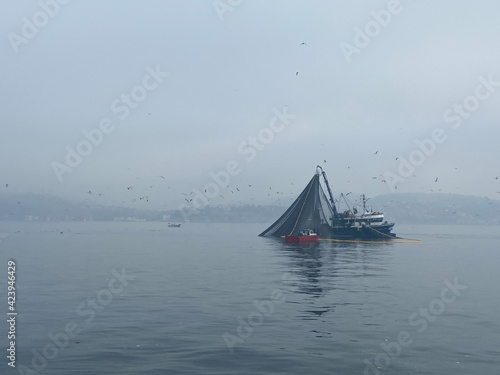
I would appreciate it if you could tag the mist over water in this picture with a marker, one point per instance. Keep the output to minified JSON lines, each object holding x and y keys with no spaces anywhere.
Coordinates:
{"x":218,"y":299}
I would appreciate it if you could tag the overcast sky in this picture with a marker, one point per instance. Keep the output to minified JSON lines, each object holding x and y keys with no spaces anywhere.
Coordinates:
{"x":179,"y":86}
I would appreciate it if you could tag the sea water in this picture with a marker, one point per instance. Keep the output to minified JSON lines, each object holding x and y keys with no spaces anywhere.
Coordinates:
{"x":142,"y":298}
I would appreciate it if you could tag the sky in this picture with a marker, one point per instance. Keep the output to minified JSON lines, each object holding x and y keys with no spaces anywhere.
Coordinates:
{"x":150,"y":104}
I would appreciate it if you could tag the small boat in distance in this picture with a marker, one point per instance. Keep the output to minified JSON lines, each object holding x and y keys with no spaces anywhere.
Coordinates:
{"x":173,"y":225}
{"x":303,"y":236}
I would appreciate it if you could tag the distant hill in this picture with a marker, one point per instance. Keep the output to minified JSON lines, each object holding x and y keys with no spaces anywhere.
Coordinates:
{"x":414,"y":208}
{"x":400,"y":208}
{"x":33,"y":207}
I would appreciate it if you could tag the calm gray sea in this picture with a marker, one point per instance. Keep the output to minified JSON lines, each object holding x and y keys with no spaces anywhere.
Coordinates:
{"x":141,"y":298}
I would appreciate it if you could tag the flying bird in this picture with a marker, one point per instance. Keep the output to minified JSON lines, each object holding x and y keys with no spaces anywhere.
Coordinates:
{"x":376,"y":152}
{"x":303,"y":44}
{"x":436,"y":179}
{"x":296,"y":73}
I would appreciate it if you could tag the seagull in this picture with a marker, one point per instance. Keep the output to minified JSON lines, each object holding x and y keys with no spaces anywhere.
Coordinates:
{"x":376,"y":152}
{"x":129,"y":187}
{"x":89,"y":192}
{"x":162,"y":177}
{"x":436,"y":179}
{"x":303,"y":44}
{"x":296,"y":73}
{"x":237,"y":189}
{"x":496,"y":178}
{"x":6,"y":185}
{"x":324,"y":161}
{"x":397,"y":158}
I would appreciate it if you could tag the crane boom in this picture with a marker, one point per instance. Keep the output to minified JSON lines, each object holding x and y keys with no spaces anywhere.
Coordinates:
{"x":329,"y":191}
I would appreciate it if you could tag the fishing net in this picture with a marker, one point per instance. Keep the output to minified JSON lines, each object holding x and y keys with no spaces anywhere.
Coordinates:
{"x":311,"y":210}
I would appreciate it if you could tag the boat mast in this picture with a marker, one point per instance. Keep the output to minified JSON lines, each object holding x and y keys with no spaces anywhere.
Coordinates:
{"x":364,"y":203}
{"x":329,"y":191}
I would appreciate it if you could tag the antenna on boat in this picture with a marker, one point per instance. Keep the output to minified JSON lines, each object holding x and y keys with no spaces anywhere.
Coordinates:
{"x":318,"y":167}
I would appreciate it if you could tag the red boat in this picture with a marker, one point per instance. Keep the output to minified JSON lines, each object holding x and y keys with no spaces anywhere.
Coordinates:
{"x":304,"y":236}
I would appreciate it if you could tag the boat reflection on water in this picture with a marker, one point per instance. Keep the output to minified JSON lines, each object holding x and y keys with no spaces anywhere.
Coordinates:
{"x":318,"y":274}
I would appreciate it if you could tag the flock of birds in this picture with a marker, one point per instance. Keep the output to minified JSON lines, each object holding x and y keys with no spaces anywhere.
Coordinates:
{"x":189,"y":196}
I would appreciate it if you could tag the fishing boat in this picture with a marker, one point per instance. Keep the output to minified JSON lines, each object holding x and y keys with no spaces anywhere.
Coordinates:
{"x":303,"y":236}
{"x":173,"y":225}
{"x":313,"y":209}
